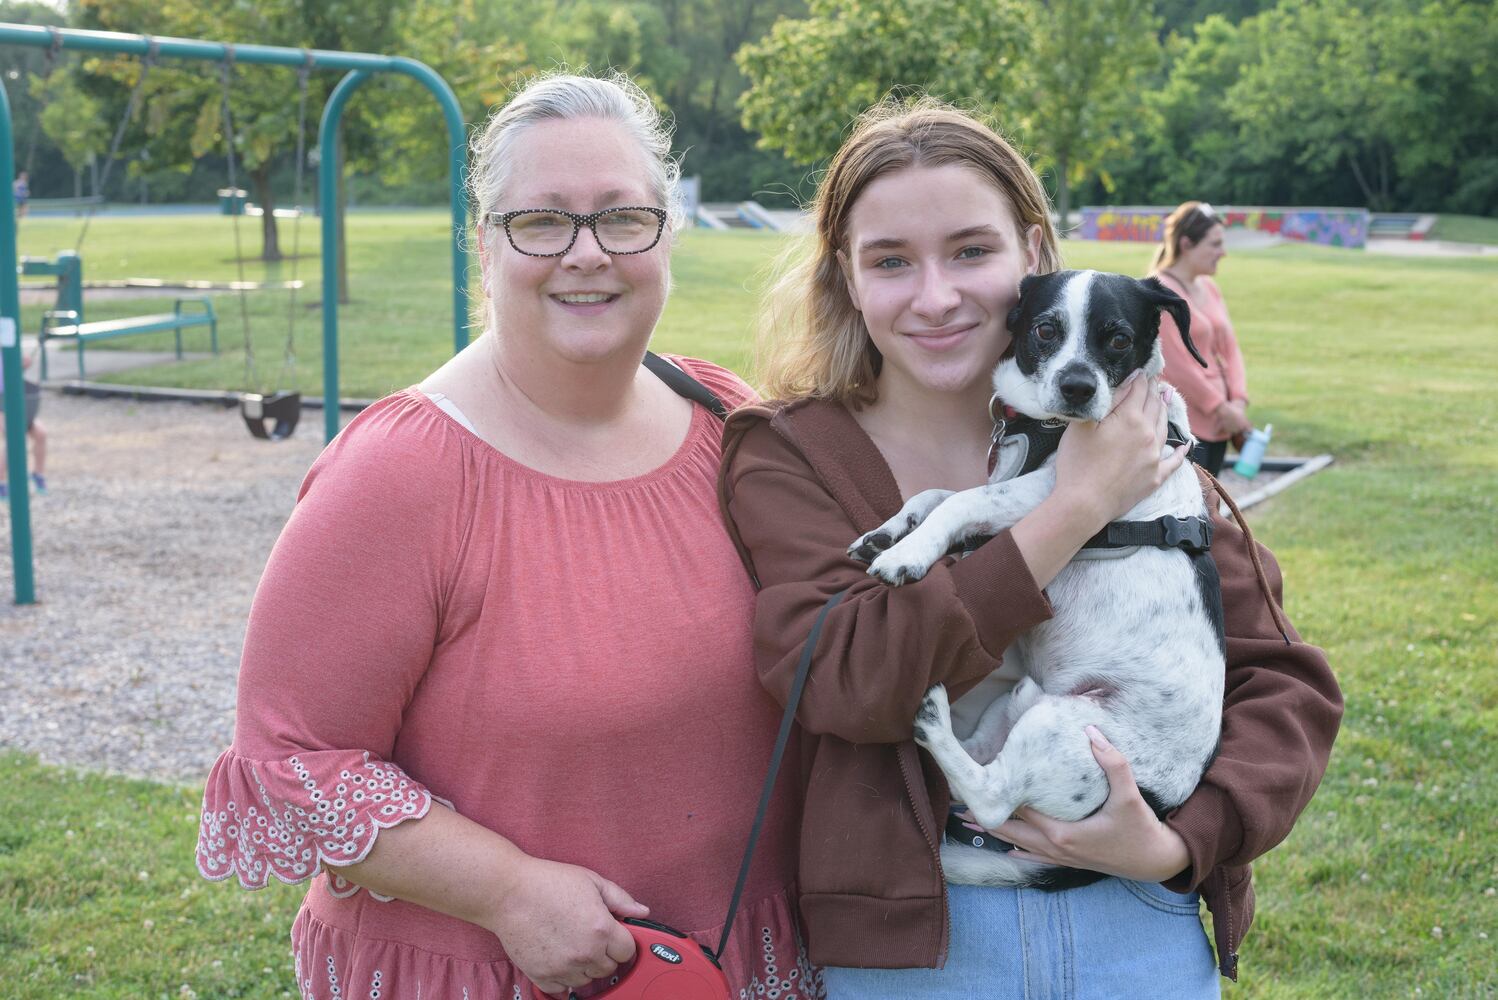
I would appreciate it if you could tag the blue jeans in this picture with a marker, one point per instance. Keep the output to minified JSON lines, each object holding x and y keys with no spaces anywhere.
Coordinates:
{"x":1113,"y":939}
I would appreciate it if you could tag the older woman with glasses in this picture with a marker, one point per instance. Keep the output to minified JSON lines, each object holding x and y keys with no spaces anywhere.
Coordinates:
{"x":497,"y":689}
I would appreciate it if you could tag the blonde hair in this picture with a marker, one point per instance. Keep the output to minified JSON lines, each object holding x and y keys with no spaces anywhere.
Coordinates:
{"x":811,"y":341}
{"x":1192,"y":220}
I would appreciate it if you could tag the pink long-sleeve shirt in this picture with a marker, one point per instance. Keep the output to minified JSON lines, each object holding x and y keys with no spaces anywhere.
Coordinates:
{"x":1203,"y":389}
{"x":566,"y":663}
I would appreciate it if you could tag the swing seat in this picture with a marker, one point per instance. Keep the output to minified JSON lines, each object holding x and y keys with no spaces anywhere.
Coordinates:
{"x":273,"y":417}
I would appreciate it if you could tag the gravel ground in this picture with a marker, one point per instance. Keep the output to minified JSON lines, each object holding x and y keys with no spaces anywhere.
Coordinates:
{"x":148,"y":546}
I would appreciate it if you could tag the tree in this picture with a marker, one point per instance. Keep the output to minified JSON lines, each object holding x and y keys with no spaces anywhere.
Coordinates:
{"x":1181,"y":15}
{"x":1386,"y":90}
{"x":810,"y":78}
{"x":1062,"y":75}
{"x":25,"y":75}
{"x":183,"y":118}
{"x":71,"y":118}
{"x":1085,"y":63}
{"x":1188,"y":143}
{"x":709,"y":136}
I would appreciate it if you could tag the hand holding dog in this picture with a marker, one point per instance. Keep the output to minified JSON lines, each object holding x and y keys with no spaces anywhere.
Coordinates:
{"x":1115,"y":463}
{"x":1124,"y":838}
{"x":558,"y":924}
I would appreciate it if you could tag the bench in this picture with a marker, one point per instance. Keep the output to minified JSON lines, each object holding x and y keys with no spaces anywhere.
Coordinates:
{"x":67,"y":269}
{"x":59,"y":324}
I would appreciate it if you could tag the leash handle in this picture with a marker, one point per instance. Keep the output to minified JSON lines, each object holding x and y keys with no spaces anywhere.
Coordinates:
{"x":786,"y":721}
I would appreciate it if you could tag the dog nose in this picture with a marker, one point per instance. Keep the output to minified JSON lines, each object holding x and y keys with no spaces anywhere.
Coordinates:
{"x":1077,"y":389}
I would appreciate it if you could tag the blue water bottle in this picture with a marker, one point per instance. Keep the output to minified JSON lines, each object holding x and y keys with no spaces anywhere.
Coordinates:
{"x":1252,"y":454}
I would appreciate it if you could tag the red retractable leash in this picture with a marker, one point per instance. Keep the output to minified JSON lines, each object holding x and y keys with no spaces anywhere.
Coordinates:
{"x":668,"y":965}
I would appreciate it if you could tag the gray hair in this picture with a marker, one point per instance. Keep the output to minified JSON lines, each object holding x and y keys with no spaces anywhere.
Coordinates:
{"x":566,"y":97}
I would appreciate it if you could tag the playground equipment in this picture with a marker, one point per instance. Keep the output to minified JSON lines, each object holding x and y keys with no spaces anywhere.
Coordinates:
{"x":65,"y":325}
{"x":68,"y":270}
{"x":360,"y":66}
{"x":66,"y":322}
{"x":273,"y":417}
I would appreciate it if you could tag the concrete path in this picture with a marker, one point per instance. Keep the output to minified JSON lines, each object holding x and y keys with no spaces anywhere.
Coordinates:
{"x":62,"y":362}
{"x":1430,"y":248}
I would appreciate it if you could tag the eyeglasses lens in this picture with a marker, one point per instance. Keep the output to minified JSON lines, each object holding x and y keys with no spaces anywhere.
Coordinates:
{"x":621,"y":231}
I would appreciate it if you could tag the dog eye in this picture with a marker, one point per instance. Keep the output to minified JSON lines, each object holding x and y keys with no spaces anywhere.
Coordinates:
{"x":1045,"y":332}
{"x":1120,"y":342}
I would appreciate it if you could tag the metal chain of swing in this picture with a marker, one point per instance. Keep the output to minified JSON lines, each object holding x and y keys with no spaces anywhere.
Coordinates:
{"x":226,"y":75}
{"x":282,"y":407}
{"x":288,"y":357}
{"x":147,"y":61}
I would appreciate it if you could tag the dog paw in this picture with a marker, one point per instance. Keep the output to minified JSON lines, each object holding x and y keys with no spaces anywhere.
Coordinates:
{"x":904,"y":563}
{"x":933,"y":716}
{"x":868,"y":546}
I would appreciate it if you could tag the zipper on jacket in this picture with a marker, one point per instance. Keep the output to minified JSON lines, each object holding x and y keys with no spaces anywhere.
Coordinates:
{"x":935,"y":847}
{"x":1228,"y":965}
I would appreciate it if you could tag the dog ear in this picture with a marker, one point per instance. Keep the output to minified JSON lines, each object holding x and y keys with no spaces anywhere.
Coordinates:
{"x":1180,"y":311}
{"x":1011,"y":322}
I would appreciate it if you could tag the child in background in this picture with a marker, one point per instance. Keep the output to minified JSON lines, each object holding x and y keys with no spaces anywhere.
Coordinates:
{"x":35,"y":432}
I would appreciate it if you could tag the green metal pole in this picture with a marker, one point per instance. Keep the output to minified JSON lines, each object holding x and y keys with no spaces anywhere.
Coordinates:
{"x":328,"y":171}
{"x":10,"y":354}
{"x":457,"y":165}
{"x":187,"y":48}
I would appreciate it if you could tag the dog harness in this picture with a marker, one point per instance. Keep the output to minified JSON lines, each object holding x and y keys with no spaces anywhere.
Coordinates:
{"x":1038,"y":441}
{"x":961,"y":831}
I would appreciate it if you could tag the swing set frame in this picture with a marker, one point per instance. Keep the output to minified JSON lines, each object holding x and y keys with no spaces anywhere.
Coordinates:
{"x":360,"y":66}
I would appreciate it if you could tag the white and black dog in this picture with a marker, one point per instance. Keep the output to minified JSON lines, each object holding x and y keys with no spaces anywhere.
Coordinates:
{"x":1135,"y":646}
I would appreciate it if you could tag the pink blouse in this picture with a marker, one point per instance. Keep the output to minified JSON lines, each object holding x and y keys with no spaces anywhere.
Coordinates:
{"x":1203,"y":389}
{"x":567,"y":663}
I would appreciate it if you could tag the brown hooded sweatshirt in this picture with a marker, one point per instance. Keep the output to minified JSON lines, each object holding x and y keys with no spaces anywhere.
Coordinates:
{"x":800,"y":481}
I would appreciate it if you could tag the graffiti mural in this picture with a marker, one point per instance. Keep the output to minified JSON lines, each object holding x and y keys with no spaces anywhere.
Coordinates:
{"x":1333,"y":227}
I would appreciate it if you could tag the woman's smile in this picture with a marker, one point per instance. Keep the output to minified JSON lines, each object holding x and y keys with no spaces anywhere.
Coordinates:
{"x":584,"y":303}
{"x":942,"y":338}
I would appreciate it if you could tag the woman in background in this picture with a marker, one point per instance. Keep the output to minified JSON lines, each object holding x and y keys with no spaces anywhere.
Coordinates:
{"x":1216,"y":396}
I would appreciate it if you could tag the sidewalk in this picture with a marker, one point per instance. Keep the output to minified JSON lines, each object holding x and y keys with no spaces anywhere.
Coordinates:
{"x":62,"y":361}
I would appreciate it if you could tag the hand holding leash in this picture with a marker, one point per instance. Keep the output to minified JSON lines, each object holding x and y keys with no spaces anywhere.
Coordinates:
{"x":1123,"y":838}
{"x":558,"y":924}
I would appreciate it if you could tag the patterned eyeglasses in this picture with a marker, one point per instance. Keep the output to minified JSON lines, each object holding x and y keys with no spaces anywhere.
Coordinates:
{"x":550,"y":232}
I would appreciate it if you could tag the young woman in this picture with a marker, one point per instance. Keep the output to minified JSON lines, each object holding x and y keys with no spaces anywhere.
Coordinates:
{"x":880,"y":345}
{"x":1216,"y":396}
{"x":497,"y":671}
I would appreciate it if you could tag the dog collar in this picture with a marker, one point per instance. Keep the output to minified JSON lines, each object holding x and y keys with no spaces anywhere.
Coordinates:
{"x":960,"y":832}
{"x":1038,"y":438}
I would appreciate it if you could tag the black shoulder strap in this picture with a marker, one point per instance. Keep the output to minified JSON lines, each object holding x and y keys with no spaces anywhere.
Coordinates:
{"x":684,"y":385}
{"x":787,"y":720}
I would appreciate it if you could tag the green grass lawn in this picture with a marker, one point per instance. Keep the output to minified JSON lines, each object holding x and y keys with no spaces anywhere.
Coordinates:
{"x":398,"y":325}
{"x":1466,"y":229}
{"x":1385,"y":888}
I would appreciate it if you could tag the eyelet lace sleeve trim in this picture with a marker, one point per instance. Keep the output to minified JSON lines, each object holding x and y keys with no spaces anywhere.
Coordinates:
{"x":289,"y":817}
